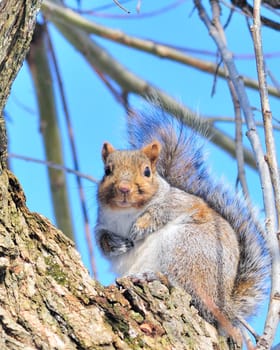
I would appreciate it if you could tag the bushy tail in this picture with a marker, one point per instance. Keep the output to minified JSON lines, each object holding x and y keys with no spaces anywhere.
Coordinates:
{"x":182,"y":164}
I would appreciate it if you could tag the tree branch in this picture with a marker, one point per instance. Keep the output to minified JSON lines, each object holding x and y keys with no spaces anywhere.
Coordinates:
{"x":272,"y":319}
{"x":60,"y":14}
{"x":38,"y":61}
{"x":225,"y":119}
{"x":129,"y":82}
{"x":53,"y":166}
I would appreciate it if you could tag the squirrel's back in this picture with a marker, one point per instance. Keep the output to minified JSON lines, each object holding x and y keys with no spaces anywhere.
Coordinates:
{"x":181,"y":164}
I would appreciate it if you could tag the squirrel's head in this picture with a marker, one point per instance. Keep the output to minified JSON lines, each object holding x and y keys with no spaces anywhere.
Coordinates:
{"x":130,"y":178}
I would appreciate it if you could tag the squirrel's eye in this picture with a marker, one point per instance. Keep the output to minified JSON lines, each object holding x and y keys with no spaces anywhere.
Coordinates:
{"x":108,"y":170}
{"x":147,"y":172}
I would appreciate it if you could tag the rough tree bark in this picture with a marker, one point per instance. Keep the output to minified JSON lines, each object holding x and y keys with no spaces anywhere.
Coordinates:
{"x":17,"y":21}
{"x":47,"y":298}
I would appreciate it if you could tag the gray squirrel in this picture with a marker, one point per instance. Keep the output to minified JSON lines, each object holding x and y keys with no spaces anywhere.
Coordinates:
{"x":159,"y":210}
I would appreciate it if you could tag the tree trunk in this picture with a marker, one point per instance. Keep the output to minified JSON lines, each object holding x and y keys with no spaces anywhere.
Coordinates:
{"x":17,"y":18}
{"x":47,"y":298}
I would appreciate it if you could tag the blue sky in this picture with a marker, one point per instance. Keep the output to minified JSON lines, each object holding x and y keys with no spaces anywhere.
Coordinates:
{"x":97,"y":117}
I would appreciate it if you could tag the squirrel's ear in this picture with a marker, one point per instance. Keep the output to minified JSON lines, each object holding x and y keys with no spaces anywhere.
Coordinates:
{"x":152,"y":151}
{"x":106,"y":150}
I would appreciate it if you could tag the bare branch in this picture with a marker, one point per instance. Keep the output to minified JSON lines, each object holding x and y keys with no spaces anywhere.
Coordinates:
{"x":224,"y":119}
{"x":39,"y":65}
{"x":63,"y":15}
{"x":120,"y":6}
{"x":239,"y":142}
{"x":54,"y":166}
{"x":273,"y":79}
{"x":271,"y":157}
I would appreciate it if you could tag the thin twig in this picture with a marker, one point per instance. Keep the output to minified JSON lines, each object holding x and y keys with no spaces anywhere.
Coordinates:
{"x":138,"y":6}
{"x":275,"y":82}
{"x":213,"y":90}
{"x":121,"y":7}
{"x":249,"y":328}
{"x":107,"y":6}
{"x":24,"y":106}
{"x":53,"y":166}
{"x":239,"y":142}
{"x":273,"y":10}
{"x":117,"y":95}
{"x":138,"y":15}
{"x":222,"y":119}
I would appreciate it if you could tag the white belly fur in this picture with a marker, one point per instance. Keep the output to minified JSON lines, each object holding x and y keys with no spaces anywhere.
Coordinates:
{"x":147,"y":255}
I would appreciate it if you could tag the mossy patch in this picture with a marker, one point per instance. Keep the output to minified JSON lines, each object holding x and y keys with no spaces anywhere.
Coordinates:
{"x":54,"y":270}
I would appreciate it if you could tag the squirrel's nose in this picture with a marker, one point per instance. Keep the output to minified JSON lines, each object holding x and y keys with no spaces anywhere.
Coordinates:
{"x":124,"y":187}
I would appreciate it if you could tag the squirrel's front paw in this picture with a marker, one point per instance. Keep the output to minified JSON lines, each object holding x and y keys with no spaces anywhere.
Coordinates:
{"x":122,"y":248}
{"x":142,"y":226}
{"x":113,"y":245}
